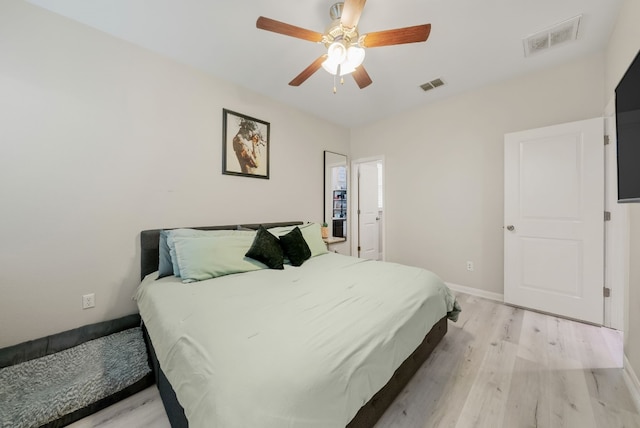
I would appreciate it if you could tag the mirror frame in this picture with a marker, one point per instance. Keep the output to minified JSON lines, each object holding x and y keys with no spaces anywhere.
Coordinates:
{"x":327,"y":197}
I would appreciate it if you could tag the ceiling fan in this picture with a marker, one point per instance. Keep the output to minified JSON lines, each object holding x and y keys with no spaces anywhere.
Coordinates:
{"x":345,"y":46}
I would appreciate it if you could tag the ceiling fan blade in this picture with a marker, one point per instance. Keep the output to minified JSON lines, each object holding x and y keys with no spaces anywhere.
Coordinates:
{"x":269,"y":24}
{"x":361,"y":77}
{"x":418,"y":33}
{"x":351,"y":13}
{"x":307,"y":72}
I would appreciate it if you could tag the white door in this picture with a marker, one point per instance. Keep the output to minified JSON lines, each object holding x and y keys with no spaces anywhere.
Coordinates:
{"x":368,"y":211}
{"x":554,"y":225}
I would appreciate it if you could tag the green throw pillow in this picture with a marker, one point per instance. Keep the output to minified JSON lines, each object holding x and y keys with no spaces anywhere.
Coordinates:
{"x":202,"y":258}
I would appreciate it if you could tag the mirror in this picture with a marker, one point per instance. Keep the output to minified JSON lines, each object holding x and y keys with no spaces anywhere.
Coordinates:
{"x":335,"y":194}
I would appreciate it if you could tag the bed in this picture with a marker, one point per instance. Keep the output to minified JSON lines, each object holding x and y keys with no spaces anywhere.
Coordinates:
{"x":329,"y":343}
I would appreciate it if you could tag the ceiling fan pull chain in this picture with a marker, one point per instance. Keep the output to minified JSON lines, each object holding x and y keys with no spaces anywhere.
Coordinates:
{"x":334,"y":84}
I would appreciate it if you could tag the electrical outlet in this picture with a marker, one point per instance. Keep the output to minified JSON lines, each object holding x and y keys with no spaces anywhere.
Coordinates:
{"x":88,"y":301}
{"x":470,"y":266}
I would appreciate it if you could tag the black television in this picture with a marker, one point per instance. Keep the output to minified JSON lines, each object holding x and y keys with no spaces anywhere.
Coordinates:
{"x":628,"y":133}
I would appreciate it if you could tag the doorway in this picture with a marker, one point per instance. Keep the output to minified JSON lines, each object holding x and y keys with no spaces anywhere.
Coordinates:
{"x":368,"y":192}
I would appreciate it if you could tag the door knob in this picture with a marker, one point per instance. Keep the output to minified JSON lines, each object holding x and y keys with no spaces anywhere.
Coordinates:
{"x":510,"y":228}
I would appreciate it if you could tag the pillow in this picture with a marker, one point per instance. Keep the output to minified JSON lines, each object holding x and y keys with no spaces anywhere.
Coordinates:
{"x":195,"y":233}
{"x":313,"y":235}
{"x":295,"y":247}
{"x":202,"y":257}
{"x":165,"y":267}
{"x":266,"y":249}
{"x":310,"y":232}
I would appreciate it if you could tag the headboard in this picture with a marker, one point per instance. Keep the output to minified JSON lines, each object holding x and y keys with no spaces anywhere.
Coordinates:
{"x":150,"y":242}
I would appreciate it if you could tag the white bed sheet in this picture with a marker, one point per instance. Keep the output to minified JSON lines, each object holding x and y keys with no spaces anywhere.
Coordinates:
{"x":305,"y":347}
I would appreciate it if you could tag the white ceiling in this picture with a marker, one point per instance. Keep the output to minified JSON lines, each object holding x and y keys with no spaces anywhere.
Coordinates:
{"x":472,"y":43}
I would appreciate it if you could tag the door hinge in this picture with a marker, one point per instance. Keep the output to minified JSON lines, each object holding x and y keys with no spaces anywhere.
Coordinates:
{"x":358,"y":212}
{"x":607,"y":216}
{"x":358,"y":247}
{"x":606,"y":292}
{"x":606,"y":140}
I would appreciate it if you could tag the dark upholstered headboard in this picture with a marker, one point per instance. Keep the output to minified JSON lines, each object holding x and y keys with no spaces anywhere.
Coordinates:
{"x":150,"y":242}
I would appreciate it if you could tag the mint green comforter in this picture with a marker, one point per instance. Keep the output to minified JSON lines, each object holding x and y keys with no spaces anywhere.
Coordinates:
{"x":305,"y":347}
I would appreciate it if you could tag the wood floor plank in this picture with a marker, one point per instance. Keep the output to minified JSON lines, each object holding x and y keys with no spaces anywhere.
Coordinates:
{"x":469,"y":345}
{"x":497,"y":367}
{"x":486,"y":400}
{"x":568,"y":399}
{"x":522,"y":408}
{"x":142,"y":410}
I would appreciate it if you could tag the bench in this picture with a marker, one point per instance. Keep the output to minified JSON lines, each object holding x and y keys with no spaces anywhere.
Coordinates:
{"x":59,"y":379}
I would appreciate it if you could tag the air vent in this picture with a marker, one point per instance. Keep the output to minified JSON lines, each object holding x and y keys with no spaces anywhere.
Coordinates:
{"x":432,"y":84}
{"x":563,"y":32}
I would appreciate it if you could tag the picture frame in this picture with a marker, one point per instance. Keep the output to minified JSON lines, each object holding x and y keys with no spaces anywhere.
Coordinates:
{"x":245,"y":145}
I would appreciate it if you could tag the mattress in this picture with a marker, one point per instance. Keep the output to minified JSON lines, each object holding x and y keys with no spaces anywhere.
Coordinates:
{"x":303,"y":347}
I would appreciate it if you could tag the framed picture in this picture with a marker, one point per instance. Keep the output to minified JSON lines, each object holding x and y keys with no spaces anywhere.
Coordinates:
{"x":245,"y":145}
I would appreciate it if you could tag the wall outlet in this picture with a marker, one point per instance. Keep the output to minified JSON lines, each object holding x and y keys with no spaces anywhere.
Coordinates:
{"x":470,"y":266}
{"x":88,"y":301}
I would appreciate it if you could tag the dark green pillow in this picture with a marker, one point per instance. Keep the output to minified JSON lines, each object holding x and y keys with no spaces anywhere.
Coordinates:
{"x":266,"y":249}
{"x":295,"y":247}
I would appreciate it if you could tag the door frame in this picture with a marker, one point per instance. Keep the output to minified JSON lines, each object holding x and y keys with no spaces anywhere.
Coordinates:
{"x":354,"y":202}
{"x":616,"y":234}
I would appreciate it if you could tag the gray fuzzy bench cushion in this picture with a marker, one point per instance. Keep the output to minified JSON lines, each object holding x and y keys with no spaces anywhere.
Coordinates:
{"x":64,"y":386}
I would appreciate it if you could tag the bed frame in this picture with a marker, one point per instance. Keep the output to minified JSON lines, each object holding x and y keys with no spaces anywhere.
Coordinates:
{"x":368,"y":414}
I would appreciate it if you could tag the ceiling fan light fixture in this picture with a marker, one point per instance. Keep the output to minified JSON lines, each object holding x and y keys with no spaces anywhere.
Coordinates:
{"x":355,"y":55}
{"x":347,"y":58}
{"x":346,"y":69}
{"x":332,"y":68}
{"x":337,"y":52}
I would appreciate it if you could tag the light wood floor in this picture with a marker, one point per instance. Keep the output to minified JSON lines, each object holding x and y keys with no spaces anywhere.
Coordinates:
{"x":497,"y":366}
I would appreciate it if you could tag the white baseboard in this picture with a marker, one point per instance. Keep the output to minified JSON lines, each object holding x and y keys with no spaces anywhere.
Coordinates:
{"x":476,"y":292}
{"x":632,"y":382}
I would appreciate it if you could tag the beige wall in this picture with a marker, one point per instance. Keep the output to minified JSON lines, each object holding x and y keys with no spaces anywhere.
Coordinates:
{"x":101,"y":139}
{"x":622,"y":48}
{"x":444,"y":167}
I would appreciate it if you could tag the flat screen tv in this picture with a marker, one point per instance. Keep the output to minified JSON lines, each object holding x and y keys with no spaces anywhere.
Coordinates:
{"x":628,"y":133}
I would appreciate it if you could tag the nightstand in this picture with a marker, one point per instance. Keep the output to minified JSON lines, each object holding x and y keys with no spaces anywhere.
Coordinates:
{"x":334,"y":241}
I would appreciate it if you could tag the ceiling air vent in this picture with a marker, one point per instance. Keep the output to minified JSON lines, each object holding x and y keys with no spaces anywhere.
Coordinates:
{"x":432,"y":85}
{"x":563,"y":32}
